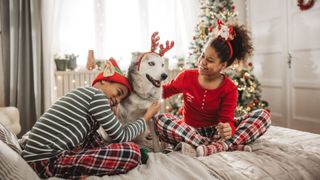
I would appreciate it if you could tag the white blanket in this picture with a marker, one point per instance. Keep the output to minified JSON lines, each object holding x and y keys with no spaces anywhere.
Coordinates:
{"x":280,"y":154}
{"x":165,"y":166}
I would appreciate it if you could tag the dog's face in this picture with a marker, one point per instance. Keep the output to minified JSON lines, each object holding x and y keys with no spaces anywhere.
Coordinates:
{"x":150,"y":68}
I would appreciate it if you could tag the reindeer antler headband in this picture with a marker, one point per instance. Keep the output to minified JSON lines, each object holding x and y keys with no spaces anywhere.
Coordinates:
{"x":154,"y":45}
{"x":227,"y":33}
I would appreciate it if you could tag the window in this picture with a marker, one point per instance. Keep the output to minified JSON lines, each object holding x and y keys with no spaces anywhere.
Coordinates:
{"x":115,"y":28}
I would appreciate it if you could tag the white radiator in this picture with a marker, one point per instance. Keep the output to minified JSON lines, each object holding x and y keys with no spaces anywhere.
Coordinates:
{"x":69,"y":80}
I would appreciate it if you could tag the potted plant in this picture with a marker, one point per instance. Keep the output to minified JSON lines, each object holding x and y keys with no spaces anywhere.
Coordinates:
{"x":72,"y":61}
{"x":61,"y":63}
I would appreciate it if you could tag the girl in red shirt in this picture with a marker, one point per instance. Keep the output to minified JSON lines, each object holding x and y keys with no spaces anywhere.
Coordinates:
{"x":210,"y":98}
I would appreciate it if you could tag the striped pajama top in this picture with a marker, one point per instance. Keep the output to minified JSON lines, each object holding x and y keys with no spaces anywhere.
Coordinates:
{"x":68,"y":121}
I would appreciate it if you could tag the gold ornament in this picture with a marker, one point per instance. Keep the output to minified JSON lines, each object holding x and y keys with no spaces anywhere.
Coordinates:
{"x":202,"y":32}
{"x":207,"y":12}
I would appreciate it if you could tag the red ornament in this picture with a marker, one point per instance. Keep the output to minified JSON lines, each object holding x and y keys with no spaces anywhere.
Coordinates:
{"x":250,"y":64}
{"x":256,"y":101}
{"x":210,"y":28}
{"x":168,"y":109}
{"x":180,"y":111}
{"x":246,"y":76}
{"x":233,"y":7}
{"x":193,"y":37}
{"x":305,"y":6}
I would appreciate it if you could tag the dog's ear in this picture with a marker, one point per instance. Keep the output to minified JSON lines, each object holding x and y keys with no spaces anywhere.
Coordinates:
{"x":135,"y":56}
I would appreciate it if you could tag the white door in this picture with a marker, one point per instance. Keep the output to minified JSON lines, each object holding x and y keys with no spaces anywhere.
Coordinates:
{"x":304,"y":47}
{"x":267,"y":21}
{"x":287,"y":61}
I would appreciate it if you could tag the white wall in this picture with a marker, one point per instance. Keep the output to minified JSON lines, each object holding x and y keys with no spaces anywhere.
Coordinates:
{"x":242,"y":13}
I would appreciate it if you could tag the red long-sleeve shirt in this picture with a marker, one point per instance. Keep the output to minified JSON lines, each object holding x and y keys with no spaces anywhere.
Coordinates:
{"x":204,"y":107}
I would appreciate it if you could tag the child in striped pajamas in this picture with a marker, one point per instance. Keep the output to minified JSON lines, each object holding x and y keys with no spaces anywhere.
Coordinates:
{"x":208,"y":125}
{"x":64,"y":143}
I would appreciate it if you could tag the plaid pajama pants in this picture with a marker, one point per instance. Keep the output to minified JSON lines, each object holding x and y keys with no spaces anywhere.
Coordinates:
{"x":91,"y":157}
{"x":248,"y":128}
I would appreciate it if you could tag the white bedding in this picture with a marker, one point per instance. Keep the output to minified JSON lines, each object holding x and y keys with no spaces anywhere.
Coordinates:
{"x":280,"y":154}
{"x":165,"y":166}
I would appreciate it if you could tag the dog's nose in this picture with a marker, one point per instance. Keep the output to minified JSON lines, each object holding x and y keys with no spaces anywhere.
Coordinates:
{"x":164,"y":76}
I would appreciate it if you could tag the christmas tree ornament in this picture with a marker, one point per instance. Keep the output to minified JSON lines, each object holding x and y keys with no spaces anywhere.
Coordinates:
{"x":168,"y":109}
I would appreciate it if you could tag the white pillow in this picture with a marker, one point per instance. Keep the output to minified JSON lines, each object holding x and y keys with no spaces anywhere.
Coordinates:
{"x":4,"y":119}
{"x":10,"y":139}
{"x":9,"y":117}
{"x":13,"y":166}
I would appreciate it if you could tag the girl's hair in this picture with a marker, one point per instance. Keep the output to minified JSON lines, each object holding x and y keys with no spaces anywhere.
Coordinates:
{"x":241,"y":46}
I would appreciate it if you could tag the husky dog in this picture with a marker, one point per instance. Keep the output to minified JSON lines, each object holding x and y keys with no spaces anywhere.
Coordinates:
{"x":146,"y":73}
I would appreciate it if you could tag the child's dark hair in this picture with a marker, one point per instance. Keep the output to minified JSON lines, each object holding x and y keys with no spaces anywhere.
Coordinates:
{"x":241,"y":46}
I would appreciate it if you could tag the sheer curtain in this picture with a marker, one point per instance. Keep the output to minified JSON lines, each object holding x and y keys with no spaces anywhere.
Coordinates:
{"x":114,"y":28}
{"x":50,"y":11}
{"x":118,"y":27}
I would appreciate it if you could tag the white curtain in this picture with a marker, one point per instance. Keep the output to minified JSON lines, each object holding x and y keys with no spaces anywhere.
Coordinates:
{"x":113,"y":28}
{"x":50,"y":11}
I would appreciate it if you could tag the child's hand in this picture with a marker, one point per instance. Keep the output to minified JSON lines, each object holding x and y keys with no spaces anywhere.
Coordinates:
{"x":224,"y":130}
{"x":152,"y":110}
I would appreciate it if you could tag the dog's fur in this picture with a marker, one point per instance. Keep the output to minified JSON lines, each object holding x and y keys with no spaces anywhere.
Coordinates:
{"x":146,"y":73}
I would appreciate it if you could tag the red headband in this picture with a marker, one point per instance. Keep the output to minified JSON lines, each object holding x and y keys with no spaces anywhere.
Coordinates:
{"x":227,"y":33}
{"x":154,"y":45}
{"x":231,"y":50}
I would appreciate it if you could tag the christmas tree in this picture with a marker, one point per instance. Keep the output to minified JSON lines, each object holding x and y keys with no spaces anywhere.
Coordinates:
{"x":249,"y":91}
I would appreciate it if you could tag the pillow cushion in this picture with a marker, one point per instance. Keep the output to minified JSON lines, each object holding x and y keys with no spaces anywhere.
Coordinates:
{"x":13,"y":166}
{"x":9,"y":138}
{"x":9,"y":117}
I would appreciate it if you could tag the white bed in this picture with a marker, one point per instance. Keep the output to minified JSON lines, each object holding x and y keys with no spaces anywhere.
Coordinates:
{"x":280,"y":154}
